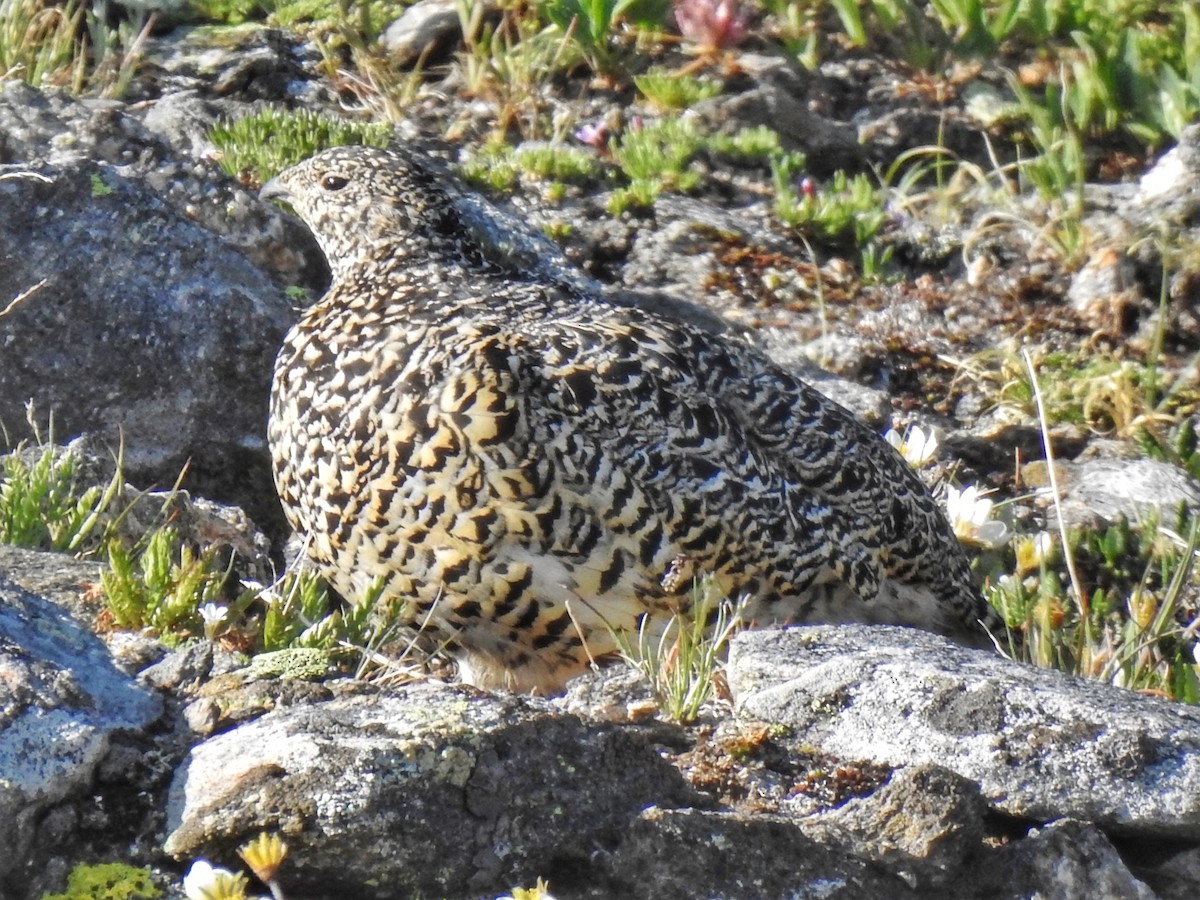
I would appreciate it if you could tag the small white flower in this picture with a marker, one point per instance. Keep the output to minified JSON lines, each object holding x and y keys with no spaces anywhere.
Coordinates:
{"x":970,"y":514}
{"x":204,"y":881}
{"x":916,"y":445}
{"x":213,"y":613}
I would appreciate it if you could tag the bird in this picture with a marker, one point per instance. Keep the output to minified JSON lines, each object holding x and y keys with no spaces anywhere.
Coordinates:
{"x":531,"y":465}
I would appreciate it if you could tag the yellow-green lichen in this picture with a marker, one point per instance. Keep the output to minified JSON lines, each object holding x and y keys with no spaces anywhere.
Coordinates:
{"x":108,"y":881}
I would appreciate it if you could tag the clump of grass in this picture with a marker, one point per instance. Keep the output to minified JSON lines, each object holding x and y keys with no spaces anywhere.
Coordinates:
{"x":69,"y":46}
{"x":231,"y":12}
{"x":299,"y":613}
{"x":1125,"y":612}
{"x":42,"y":505}
{"x":849,"y":210}
{"x":660,"y":156}
{"x":499,"y":167}
{"x":675,"y":91}
{"x":592,"y":26}
{"x":256,"y":147}
{"x":681,"y":662}
{"x":759,"y":142}
{"x":162,"y":588}
{"x":1100,"y":392}
{"x":509,"y":61}
{"x":38,"y":42}
{"x":179,"y":593}
{"x":1121,"y":622}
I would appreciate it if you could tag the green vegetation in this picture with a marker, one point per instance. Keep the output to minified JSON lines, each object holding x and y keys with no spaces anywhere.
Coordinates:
{"x":301,"y":614}
{"x":674,"y":91}
{"x":848,"y":210}
{"x":589,"y":24}
{"x":69,"y":45}
{"x":1107,"y":604}
{"x":166,"y":586}
{"x":178,"y":593}
{"x":1102,"y":392}
{"x":1119,"y":623}
{"x":257,"y":147}
{"x":108,"y":881}
{"x":681,"y":662}
{"x":162,"y":588}
{"x":498,"y":167}
{"x":42,"y":505}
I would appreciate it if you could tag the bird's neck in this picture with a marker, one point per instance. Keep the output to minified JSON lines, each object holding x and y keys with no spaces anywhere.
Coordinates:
{"x":412,"y":263}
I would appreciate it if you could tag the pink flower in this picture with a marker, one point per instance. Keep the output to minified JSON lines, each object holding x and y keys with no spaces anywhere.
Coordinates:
{"x":594,"y":135}
{"x":712,"y":24}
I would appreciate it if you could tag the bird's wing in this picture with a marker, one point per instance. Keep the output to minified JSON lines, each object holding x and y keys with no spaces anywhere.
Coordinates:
{"x":715,"y":405}
{"x":647,"y":447}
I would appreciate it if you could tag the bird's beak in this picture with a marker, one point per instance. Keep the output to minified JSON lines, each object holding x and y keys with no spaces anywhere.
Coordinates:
{"x":275,"y":189}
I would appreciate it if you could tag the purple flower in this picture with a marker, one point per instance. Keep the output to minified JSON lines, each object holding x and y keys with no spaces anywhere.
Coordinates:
{"x":712,"y":24}
{"x":594,"y":135}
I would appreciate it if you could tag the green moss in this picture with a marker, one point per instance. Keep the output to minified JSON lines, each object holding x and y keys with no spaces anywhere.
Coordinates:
{"x":675,"y":91}
{"x":108,"y":881}
{"x":302,"y":663}
{"x":497,"y":167}
{"x":257,"y":147}
{"x":99,"y":188}
{"x":367,"y":18}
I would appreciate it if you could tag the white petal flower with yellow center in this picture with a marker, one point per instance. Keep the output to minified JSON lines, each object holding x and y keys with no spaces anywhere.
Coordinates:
{"x":204,"y":881}
{"x":916,"y":445}
{"x":970,"y":514}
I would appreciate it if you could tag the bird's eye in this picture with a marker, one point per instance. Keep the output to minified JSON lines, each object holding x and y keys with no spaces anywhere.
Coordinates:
{"x":333,"y":182}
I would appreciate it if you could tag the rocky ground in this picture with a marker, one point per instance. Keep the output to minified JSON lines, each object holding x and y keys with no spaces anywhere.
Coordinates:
{"x":147,"y":300}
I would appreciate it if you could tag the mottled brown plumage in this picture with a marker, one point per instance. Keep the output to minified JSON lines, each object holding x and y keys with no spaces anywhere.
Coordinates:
{"x":524,"y":460}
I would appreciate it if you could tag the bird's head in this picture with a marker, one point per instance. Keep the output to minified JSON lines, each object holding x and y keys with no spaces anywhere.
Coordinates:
{"x":367,"y":206}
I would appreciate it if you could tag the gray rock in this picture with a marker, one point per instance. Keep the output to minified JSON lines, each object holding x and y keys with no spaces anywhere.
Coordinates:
{"x":685,"y":854}
{"x":1100,"y":491}
{"x":924,"y":822}
{"x":182,"y":669}
{"x":138,"y":326}
{"x":50,"y":127}
{"x":431,"y":790}
{"x":423,"y":28}
{"x":1171,"y":189}
{"x":168,"y":150}
{"x":1041,"y":745}
{"x":1174,"y":877}
{"x":780,"y":99}
{"x":57,"y":577}
{"x":1065,"y":860}
{"x":62,"y":703}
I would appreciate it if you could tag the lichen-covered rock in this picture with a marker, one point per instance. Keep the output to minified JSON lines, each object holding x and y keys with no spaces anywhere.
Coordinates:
{"x":430,"y":790}
{"x":62,"y":704}
{"x":1041,"y":745}
{"x":923,"y":822}
{"x":1064,"y":860}
{"x":138,"y":326}
{"x":684,"y":854}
